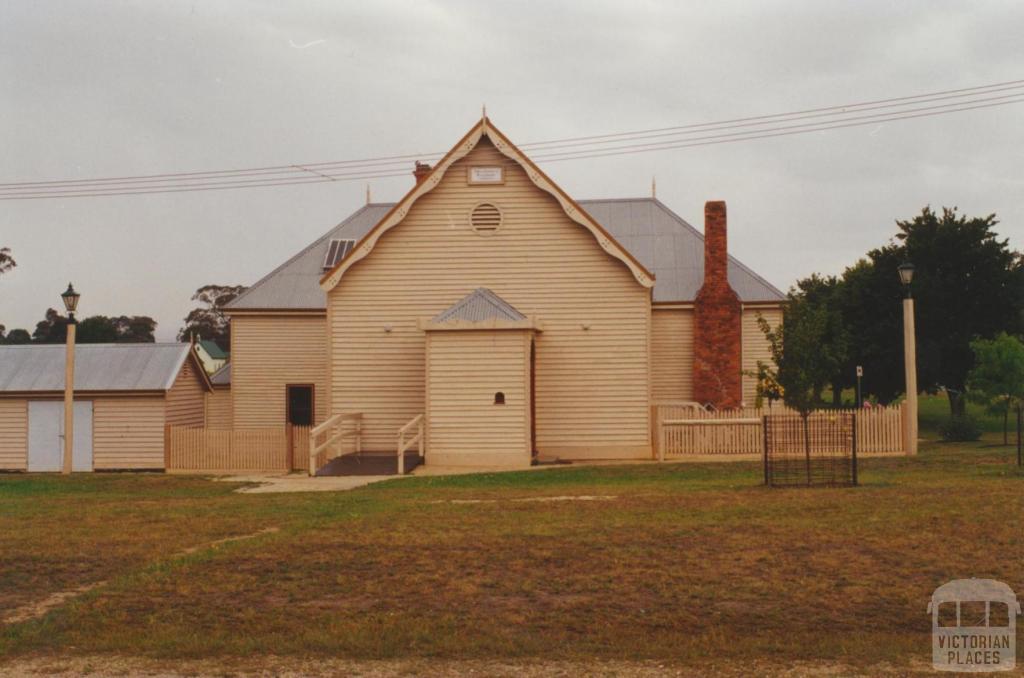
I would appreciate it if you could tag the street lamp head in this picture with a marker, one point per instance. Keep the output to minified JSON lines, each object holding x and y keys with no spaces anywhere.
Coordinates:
{"x":906,"y":273}
{"x":70,"y":298}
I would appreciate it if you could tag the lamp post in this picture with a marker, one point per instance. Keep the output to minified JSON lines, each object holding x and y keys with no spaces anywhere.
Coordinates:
{"x":70,"y":298}
{"x":906,"y":272}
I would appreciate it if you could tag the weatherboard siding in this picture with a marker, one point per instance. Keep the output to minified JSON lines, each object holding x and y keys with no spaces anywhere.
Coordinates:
{"x":465,"y":369}
{"x":593,"y":385}
{"x":672,"y":354}
{"x":218,"y":409}
{"x":269,"y":352}
{"x":755,"y":346}
{"x":13,"y":435}
{"x":128,"y":433}
{"x":186,"y":399}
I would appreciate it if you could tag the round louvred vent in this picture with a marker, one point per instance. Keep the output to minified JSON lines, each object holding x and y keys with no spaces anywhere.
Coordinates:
{"x":485,"y":218}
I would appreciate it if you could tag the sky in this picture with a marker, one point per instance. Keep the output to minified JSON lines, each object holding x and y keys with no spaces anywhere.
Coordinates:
{"x":101,"y":89}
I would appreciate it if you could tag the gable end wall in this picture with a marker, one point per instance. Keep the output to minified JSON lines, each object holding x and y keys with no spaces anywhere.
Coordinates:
{"x":593,"y":385}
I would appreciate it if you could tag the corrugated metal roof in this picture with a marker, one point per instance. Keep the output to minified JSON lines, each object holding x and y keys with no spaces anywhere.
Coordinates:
{"x":672,"y":249}
{"x":212,"y":349}
{"x":222,"y":377}
{"x":98,"y":367}
{"x":479,"y":305}
{"x":295,"y":284}
{"x":657,"y":237}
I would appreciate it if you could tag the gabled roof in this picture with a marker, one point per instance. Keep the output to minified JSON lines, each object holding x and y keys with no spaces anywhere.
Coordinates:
{"x":479,"y":305}
{"x":484,"y":128}
{"x":659,"y":238}
{"x":222,"y":377}
{"x":212,"y":349}
{"x":295,"y":284}
{"x":98,"y":367}
{"x":666,"y":244}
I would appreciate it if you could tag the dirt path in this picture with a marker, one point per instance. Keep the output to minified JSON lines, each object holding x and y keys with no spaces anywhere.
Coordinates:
{"x":39,"y":608}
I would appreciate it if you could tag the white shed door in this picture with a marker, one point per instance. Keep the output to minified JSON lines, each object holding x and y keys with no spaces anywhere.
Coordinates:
{"x":46,"y":436}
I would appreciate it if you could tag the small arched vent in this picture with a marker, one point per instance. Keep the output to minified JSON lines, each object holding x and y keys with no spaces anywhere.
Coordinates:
{"x":485,"y":218}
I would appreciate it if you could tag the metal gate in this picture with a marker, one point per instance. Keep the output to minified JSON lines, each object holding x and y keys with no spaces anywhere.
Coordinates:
{"x":820,"y":449}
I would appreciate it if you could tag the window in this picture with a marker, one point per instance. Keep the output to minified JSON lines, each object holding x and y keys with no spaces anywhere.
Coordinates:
{"x":499,"y":398}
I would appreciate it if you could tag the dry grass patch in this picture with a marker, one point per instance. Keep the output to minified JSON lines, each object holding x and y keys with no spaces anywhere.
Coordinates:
{"x":676,"y":563}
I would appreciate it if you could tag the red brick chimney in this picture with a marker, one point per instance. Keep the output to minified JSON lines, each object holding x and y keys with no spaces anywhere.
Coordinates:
{"x":421,"y":171}
{"x":717,"y":314}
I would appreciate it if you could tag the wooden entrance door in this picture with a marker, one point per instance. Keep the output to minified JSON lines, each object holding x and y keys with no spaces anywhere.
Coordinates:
{"x":300,"y":411}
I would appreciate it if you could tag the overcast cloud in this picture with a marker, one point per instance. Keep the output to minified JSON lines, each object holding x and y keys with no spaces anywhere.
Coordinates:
{"x":118,"y":88}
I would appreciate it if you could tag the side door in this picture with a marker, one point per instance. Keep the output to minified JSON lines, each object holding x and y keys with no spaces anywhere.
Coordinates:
{"x":46,"y":436}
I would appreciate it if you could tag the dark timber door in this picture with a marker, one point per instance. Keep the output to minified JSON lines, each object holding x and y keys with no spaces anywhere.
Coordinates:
{"x":299,"y":412}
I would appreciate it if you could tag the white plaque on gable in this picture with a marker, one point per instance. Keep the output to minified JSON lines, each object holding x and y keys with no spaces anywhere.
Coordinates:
{"x":486,"y":175}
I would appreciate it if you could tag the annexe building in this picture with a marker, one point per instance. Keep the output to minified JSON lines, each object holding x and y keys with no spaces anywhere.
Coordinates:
{"x":516,"y":320}
{"x":125,"y":395}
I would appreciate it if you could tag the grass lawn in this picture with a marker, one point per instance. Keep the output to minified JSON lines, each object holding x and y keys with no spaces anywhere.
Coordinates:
{"x":674,"y":563}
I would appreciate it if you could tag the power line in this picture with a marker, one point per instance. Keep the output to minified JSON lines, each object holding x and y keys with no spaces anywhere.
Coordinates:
{"x":396,"y":160}
{"x":760,"y":127}
{"x":856,"y":121}
{"x":1017,"y":90}
{"x":842,"y":108}
{"x":552,"y":157}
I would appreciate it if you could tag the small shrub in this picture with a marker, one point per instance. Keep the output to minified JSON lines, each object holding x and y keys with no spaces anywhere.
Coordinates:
{"x":960,"y":429}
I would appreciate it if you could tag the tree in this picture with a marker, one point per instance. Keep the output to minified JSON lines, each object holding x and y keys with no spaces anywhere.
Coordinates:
{"x":7,"y":262}
{"x":52,"y":329}
{"x":964,"y":273}
{"x":96,"y":329}
{"x":18,"y":336}
{"x":208,"y":320}
{"x":824,"y":293}
{"x":967,"y":284}
{"x":805,"y":357}
{"x":997,"y":379}
{"x":122,"y":329}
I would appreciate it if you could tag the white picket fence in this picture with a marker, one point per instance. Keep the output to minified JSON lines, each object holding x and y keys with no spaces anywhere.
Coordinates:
{"x":685,"y":429}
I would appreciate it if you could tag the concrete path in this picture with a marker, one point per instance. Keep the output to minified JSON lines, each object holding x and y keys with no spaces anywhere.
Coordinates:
{"x":298,"y":482}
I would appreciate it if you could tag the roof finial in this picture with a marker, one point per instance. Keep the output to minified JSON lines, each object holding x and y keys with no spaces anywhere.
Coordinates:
{"x":654,"y":187}
{"x":483,"y":111}
{"x":367,"y":193}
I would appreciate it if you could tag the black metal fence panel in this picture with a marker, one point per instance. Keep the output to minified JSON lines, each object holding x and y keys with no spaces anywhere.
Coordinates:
{"x":819,"y":450}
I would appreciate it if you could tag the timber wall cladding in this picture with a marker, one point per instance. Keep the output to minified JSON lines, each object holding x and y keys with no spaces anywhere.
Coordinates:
{"x":186,"y":399}
{"x":672,"y":354}
{"x":466,"y":370}
{"x":128,"y":433}
{"x":13,"y":435}
{"x":218,"y":408}
{"x":755,"y":347}
{"x":269,"y":352}
{"x":592,"y":384}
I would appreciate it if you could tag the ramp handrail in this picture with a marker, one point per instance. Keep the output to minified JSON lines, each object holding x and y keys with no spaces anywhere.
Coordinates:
{"x":320,"y":451}
{"x":403,"y":444}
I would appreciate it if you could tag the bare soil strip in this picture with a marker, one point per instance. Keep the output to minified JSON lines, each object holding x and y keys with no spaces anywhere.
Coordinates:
{"x":39,"y":608}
